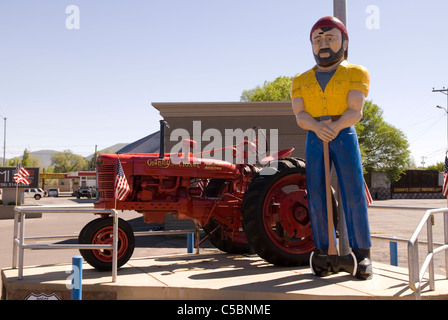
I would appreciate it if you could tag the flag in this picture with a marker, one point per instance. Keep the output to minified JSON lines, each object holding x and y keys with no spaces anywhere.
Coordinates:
{"x":368,"y":196}
{"x":21,"y":176}
{"x":445,"y":178}
{"x":122,"y":188}
{"x":202,"y":184}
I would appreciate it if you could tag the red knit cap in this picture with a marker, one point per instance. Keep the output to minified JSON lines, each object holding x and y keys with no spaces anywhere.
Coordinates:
{"x":327,"y":22}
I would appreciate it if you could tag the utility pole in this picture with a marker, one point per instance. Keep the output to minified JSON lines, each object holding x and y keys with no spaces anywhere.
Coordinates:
{"x":423,"y":162}
{"x":4,"y":140}
{"x":445,"y":92}
{"x":4,"y":144}
{"x":340,"y":10}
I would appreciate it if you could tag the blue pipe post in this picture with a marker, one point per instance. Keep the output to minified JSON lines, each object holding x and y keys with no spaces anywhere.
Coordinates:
{"x":190,"y":242}
{"x":393,"y":246}
{"x":77,"y":278}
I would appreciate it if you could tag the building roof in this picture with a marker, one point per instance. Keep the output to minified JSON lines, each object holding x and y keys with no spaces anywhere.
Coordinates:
{"x":221,"y":109}
{"x":148,"y":144}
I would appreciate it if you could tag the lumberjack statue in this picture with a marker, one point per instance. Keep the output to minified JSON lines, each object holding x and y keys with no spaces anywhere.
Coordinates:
{"x":328,"y":101}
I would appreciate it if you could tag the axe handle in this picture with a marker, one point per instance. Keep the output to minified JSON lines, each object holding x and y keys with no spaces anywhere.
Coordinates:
{"x":331,"y":243}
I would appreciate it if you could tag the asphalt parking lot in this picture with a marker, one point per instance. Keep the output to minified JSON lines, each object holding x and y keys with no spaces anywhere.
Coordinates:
{"x":402,"y":224}
{"x":383,"y":222}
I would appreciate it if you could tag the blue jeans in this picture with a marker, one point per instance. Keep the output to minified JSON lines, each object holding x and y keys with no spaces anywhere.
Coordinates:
{"x":346,"y":157}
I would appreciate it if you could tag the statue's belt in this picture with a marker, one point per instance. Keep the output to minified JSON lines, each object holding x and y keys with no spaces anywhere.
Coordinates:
{"x":325,"y":118}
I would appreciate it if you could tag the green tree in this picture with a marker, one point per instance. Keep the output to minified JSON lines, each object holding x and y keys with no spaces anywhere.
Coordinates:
{"x":438,"y":166}
{"x":277,"y":90}
{"x":66,"y":161}
{"x":12,"y":162}
{"x":27,"y":160}
{"x":383,"y":147}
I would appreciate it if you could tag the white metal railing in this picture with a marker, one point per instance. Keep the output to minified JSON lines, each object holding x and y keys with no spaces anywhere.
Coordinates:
{"x":19,"y":238}
{"x":402,"y":240}
{"x":416,"y":273}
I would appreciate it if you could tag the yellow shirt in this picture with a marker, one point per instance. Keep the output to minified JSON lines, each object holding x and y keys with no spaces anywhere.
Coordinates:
{"x":333,"y":101}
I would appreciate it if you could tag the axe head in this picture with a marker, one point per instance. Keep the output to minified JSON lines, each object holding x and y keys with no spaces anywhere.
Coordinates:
{"x":323,"y":264}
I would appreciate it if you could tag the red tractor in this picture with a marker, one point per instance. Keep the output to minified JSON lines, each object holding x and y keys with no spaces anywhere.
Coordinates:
{"x":241,"y":207}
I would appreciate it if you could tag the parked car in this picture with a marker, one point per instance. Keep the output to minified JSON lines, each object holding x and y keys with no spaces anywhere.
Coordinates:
{"x":34,"y":193}
{"x":52,"y":192}
{"x":83,"y":191}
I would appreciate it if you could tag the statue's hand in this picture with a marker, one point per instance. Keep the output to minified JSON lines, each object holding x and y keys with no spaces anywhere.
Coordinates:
{"x":324,"y":131}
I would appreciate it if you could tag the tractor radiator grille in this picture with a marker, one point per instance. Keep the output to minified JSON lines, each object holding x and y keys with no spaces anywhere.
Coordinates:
{"x":107,"y":194}
{"x":106,"y":180}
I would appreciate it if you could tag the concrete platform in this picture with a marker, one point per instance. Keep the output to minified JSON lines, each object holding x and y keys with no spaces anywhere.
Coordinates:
{"x":210,"y":276}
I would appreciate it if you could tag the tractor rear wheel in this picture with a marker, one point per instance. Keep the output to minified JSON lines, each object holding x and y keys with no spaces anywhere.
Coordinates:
{"x":275,"y":214}
{"x":100,"y":231}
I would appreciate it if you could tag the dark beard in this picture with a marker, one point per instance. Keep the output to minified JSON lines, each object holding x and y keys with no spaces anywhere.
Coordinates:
{"x":331,"y":60}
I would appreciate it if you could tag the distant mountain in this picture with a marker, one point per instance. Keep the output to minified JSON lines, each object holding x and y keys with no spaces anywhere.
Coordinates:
{"x":45,"y":155}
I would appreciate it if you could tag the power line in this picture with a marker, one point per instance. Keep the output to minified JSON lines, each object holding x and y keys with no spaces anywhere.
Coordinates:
{"x":421,"y":122}
{"x":426,"y":131}
{"x":417,"y":104}
{"x":435,"y":153}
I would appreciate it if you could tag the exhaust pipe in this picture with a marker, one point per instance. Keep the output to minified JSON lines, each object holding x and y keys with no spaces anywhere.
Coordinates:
{"x":163,"y":123}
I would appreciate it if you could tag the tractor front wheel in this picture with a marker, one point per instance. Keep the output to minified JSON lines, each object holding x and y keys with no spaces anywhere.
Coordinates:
{"x":100,"y":231}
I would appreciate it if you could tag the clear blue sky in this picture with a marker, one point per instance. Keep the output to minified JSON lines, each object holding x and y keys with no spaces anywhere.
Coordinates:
{"x":74,"y":89}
